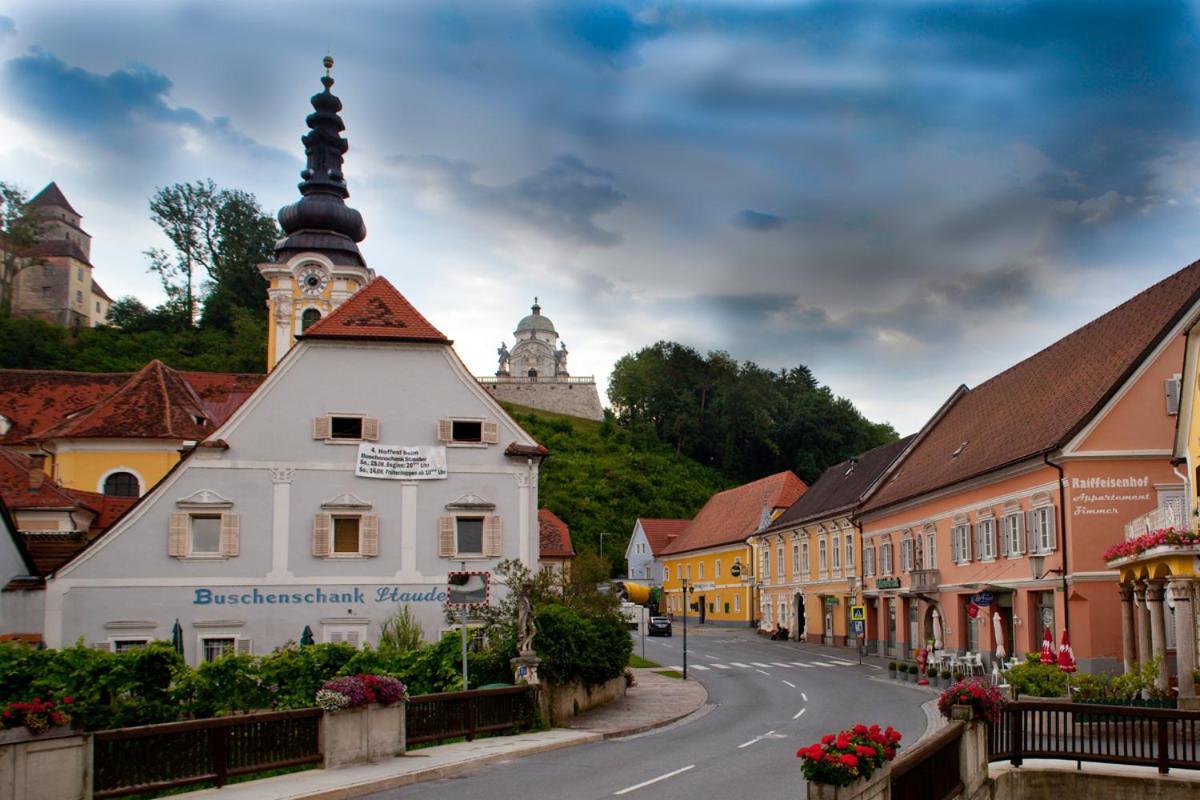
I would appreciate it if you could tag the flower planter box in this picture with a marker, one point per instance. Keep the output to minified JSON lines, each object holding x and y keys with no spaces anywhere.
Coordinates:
{"x":23,"y":734}
{"x":874,"y":788}
{"x":367,"y":733}
{"x":49,"y":766}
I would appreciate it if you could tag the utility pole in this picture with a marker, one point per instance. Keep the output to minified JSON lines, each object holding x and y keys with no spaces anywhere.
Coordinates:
{"x":466,"y":684}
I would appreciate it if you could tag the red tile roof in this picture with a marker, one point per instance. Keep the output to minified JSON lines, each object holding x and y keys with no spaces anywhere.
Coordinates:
{"x":730,"y":516}
{"x":17,"y":491}
{"x":97,"y":290}
{"x":841,"y":486}
{"x":50,"y":551}
{"x":51,"y":195}
{"x":554,"y":537}
{"x":37,"y":401}
{"x":661,"y":532}
{"x":155,"y":403}
{"x":376,"y":311}
{"x":1039,"y":404}
{"x":56,"y":248}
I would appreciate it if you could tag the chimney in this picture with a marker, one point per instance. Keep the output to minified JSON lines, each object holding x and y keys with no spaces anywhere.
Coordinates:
{"x":37,"y":470}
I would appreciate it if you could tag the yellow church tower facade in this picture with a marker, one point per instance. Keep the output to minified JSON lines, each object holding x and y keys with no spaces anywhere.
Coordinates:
{"x":317,"y":264}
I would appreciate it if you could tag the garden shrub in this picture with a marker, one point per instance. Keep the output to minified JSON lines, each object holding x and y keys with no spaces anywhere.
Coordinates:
{"x":1038,"y":680}
{"x":574,"y":647}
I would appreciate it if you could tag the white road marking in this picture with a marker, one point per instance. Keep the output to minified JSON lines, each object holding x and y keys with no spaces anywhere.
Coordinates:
{"x":803,"y":697}
{"x":781,"y":664}
{"x":800,"y":713}
{"x":823,"y":664}
{"x":759,"y":664}
{"x":740,"y":664}
{"x":843,"y":663}
{"x":802,"y":664}
{"x":713,"y":658}
{"x":700,"y":667}
{"x":764,"y":672}
{"x":767,"y":735}
{"x":721,"y":666}
{"x":644,"y":784}
{"x":789,"y":683}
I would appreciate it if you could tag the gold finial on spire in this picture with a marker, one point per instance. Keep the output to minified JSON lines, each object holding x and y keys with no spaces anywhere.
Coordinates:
{"x":328,"y":62}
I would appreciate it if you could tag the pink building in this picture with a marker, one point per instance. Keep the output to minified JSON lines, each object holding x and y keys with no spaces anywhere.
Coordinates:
{"x":992,"y":529}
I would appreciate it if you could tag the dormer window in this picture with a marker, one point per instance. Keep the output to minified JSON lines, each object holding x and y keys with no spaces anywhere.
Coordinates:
{"x":345,"y":427}
{"x":468,"y":431}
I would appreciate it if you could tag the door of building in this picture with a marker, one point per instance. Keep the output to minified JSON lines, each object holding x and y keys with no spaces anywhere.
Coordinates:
{"x":703,"y":609}
{"x":827,"y":633}
{"x":801,"y":623}
{"x":914,"y":632}
{"x":891,"y":628}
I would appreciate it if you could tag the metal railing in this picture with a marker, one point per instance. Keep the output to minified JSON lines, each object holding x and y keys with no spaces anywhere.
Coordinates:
{"x":453,"y":715}
{"x":578,"y":379}
{"x":154,"y":757}
{"x":931,"y":769}
{"x":924,"y":580}
{"x":1154,"y":737}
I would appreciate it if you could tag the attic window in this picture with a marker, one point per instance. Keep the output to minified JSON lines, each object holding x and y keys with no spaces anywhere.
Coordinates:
{"x":961,"y":447}
{"x":345,"y":427}
{"x":201,"y":421}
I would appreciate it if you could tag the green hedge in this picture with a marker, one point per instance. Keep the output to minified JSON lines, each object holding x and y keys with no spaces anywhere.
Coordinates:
{"x":575,"y":647}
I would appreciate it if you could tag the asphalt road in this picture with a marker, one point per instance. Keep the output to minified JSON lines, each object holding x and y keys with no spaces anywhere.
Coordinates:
{"x":763,"y":707}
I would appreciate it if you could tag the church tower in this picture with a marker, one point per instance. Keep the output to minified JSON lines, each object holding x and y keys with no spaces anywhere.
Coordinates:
{"x":317,"y":264}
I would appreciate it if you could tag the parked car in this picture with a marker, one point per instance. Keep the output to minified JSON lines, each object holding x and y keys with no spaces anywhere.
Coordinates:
{"x":659,"y":626}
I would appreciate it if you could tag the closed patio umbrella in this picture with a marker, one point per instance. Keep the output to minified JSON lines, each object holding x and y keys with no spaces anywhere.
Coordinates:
{"x":998,"y":627}
{"x":1066,"y":656}
{"x":937,"y":630}
{"x":306,"y":637}
{"x":177,"y":637}
{"x":1048,"y":648}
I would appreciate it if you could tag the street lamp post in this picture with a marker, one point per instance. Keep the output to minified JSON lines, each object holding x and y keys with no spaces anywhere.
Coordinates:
{"x":687,"y":592}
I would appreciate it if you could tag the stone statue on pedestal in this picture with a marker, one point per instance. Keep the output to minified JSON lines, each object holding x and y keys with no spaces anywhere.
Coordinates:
{"x":526,"y":663}
{"x":504,"y":356}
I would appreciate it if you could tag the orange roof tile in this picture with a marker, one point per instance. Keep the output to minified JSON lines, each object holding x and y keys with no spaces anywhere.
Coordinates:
{"x":37,"y":401}
{"x":554,"y":537}
{"x":18,"y":492}
{"x":1038,"y":405}
{"x":155,"y":403}
{"x":661,"y":532}
{"x":730,"y":516}
{"x":376,"y":311}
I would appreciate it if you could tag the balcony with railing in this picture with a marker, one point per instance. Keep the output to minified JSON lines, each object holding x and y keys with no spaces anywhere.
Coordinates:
{"x":924,"y":580}
{"x":1163,"y":517}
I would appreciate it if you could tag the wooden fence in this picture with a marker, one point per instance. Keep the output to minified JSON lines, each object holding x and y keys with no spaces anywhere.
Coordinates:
{"x":153,"y":757}
{"x":453,"y":715}
{"x":1155,"y":737}
{"x":931,"y":769}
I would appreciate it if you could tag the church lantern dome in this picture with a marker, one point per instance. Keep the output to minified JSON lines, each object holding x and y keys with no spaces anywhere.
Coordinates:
{"x":535,"y":321}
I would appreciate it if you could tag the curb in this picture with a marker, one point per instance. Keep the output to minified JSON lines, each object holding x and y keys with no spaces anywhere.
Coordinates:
{"x":662,"y":723}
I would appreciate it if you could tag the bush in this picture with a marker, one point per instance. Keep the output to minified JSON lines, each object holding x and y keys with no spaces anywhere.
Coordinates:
{"x":575,"y":647}
{"x":293,"y":674}
{"x":1038,"y":680}
{"x":401,"y":632}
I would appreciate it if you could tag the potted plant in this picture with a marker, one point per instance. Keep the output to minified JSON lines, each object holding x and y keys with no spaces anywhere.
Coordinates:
{"x":971,"y":700}
{"x":945,"y":675}
{"x":364,"y":718}
{"x":843,"y":764}
{"x":892,"y":665}
{"x":958,"y":676}
{"x":19,"y":720}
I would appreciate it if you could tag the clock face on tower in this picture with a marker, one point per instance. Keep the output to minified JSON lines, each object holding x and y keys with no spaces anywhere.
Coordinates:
{"x":313,"y":280}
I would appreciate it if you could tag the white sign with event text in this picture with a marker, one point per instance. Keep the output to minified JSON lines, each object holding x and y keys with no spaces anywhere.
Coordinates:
{"x":391,"y":462}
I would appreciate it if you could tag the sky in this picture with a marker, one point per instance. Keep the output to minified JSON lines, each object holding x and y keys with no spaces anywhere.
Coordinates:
{"x":904,"y":196}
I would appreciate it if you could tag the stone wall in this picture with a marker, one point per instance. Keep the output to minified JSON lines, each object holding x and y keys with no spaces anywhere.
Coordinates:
{"x":1111,"y":783}
{"x":358,"y":735}
{"x":576,"y":698}
{"x":572,"y":399}
{"x":48,"y":767}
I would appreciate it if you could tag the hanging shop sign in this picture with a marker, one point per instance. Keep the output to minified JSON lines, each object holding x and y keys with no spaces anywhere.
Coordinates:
{"x":972,"y":610}
{"x":736,"y":570}
{"x":984,"y":599}
{"x":887,"y":583}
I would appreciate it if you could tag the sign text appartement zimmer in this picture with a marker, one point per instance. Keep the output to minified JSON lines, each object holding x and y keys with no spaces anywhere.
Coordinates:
{"x":397,"y":463}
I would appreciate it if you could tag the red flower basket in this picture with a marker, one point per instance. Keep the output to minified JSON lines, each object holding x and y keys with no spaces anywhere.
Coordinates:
{"x":839,"y":759}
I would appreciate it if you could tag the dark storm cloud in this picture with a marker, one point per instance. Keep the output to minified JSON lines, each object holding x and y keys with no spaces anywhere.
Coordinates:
{"x":128,"y":110}
{"x":753,"y":220}
{"x":560,"y":201}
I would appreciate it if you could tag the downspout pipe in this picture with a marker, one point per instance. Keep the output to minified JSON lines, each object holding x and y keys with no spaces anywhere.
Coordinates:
{"x":1062,"y":526}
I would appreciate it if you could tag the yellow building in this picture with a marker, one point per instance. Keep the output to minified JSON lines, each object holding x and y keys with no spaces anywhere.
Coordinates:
{"x":810,"y":559}
{"x":712,"y":558}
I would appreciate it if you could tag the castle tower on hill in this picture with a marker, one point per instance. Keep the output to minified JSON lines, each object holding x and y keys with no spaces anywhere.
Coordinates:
{"x":317,"y":264}
{"x":534,"y":373}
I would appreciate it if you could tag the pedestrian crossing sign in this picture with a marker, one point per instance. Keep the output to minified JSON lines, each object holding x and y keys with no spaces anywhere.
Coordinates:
{"x":858,"y":613}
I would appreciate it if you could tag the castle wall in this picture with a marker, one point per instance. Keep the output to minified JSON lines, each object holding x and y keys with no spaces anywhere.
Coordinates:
{"x":573,"y":399}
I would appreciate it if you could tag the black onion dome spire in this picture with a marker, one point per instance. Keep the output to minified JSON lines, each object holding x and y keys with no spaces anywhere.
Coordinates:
{"x":321,"y":220}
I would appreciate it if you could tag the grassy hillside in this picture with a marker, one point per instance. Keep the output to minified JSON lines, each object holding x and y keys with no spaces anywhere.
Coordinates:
{"x":601,"y":478}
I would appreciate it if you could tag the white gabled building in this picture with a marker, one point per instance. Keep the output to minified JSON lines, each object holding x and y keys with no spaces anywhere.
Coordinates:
{"x":367,"y":466}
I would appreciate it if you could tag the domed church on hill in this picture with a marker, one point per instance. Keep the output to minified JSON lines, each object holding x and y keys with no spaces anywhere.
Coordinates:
{"x":534,"y":373}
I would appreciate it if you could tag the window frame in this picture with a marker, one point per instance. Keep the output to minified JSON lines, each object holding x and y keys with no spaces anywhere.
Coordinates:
{"x":489,"y":432}
{"x":848,"y":565}
{"x":885,"y":558}
{"x":322,"y":428}
{"x":931,"y":548}
{"x":129,"y":643}
{"x":986,"y":527}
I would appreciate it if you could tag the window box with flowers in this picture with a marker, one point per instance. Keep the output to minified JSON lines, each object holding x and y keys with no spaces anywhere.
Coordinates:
{"x":849,"y":763}
{"x":971,"y":700}
{"x":22,"y":721}
{"x":1164,"y":538}
{"x":364,"y":719}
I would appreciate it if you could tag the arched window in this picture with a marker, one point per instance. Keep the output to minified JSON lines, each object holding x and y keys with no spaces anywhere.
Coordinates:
{"x":122,"y":484}
{"x":309,"y":317}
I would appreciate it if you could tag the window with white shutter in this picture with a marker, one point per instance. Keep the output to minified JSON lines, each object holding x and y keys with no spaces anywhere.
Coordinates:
{"x":1172,"y":391}
{"x":1014,"y":535}
{"x":931,"y":548}
{"x":230,"y":535}
{"x":985,"y":539}
{"x":353,"y":635}
{"x":322,"y":538}
{"x":468,"y":431}
{"x":203,"y":534}
{"x":345,"y":428}
{"x":320,"y":428}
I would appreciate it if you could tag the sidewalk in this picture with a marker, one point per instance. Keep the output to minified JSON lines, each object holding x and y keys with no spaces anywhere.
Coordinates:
{"x":656,"y":701}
